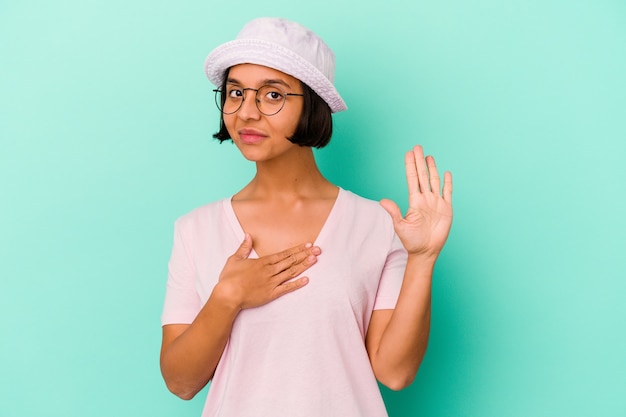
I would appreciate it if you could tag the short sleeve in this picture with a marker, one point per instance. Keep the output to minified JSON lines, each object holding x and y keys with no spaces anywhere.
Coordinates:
{"x":392,"y":276}
{"x":182,"y":302}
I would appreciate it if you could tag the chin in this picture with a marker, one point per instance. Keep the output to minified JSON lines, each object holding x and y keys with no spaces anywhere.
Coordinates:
{"x":253,"y":153}
{"x":266,"y":151}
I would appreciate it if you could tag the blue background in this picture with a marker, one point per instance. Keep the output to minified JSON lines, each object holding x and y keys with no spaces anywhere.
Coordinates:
{"x":105,"y":139}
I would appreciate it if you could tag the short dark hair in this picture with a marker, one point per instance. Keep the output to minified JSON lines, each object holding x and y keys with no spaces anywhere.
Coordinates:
{"x":315,"y":126}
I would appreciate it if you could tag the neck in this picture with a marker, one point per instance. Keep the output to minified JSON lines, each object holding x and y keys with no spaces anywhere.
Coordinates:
{"x":294,"y":176}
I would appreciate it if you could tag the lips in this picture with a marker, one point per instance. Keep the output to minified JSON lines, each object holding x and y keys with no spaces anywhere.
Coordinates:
{"x":251,"y":136}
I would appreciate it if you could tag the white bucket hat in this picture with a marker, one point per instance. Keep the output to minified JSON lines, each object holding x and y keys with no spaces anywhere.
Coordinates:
{"x":282,"y":45}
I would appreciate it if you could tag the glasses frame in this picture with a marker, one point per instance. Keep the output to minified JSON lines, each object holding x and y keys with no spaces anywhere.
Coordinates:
{"x":218,"y":99}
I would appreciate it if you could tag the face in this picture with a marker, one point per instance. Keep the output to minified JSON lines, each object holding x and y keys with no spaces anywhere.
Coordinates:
{"x":260,"y":137}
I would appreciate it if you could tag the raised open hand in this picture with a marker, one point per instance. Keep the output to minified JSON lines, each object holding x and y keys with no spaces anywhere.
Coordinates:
{"x":253,"y":282}
{"x":426,"y":225}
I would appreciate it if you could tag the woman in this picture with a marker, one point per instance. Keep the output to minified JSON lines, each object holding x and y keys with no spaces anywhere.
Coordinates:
{"x":294,"y":296}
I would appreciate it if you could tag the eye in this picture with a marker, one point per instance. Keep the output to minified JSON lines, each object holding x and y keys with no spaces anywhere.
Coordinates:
{"x":275,"y":95}
{"x":272,"y":94}
{"x":234,"y":92}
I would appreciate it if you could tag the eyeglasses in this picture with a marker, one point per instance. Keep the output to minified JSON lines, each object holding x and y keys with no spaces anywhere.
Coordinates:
{"x":269,"y":99}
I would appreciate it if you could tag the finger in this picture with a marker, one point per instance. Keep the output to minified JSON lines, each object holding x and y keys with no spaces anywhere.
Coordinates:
{"x":447,"y":186}
{"x":289,"y":286}
{"x":411,"y":177}
{"x":435,"y":181}
{"x":287,"y":253}
{"x":243,"y":251}
{"x":392,"y":208}
{"x":422,"y":170}
{"x":292,"y":266}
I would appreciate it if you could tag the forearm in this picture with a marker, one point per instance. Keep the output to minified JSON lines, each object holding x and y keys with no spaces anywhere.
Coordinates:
{"x":189,"y":359}
{"x":404,"y":341}
{"x":190,"y":352}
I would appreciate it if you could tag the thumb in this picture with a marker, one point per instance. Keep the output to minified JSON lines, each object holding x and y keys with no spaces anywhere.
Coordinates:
{"x":393,"y":210}
{"x":243,"y":251}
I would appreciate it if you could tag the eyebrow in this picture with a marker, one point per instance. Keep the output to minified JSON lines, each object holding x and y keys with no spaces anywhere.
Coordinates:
{"x":264,"y":82}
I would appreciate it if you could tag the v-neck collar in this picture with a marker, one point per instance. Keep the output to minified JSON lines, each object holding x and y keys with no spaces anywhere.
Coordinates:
{"x":331,"y":219}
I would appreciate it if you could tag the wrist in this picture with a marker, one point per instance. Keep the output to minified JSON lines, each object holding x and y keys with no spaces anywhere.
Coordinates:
{"x":423,"y":258}
{"x":225,"y":296}
{"x":422,"y":264}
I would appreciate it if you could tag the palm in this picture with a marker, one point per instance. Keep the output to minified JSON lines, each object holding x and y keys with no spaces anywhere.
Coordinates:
{"x":425,"y":227}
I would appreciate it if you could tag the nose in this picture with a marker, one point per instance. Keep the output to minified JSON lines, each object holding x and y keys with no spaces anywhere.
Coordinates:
{"x":249,"y":109}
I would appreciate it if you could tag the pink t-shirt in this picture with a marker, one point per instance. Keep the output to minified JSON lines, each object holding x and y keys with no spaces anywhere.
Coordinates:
{"x":302,"y":355}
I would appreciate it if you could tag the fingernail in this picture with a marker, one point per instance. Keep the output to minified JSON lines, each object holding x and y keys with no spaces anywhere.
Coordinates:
{"x":308,"y":245}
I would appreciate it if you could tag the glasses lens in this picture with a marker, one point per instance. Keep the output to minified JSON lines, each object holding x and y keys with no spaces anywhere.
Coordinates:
{"x":229,"y":101}
{"x":270,"y":99}
{"x":218,"y":99}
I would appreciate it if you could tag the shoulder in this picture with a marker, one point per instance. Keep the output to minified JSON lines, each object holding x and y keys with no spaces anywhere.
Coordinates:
{"x":202,"y":215}
{"x":364,"y":205}
{"x":366,"y":211}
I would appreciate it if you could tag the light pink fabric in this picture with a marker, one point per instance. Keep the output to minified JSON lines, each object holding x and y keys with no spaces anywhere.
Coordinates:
{"x":303,"y":354}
